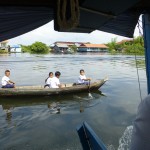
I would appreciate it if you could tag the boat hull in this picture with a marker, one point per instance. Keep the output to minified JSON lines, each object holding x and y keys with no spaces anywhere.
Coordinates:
{"x":41,"y":91}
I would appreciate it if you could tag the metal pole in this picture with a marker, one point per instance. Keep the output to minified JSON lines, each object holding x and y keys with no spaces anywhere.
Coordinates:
{"x":146,"y":33}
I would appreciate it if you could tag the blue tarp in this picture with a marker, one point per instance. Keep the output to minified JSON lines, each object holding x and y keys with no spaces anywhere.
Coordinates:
{"x":15,"y":21}
{"x":120,"y":17}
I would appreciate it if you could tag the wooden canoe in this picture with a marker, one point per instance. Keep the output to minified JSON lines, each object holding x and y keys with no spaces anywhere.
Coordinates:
{"x":41,"y":91}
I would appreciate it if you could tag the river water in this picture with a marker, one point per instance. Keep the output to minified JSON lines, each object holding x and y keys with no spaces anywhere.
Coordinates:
{"x":37,"y":124}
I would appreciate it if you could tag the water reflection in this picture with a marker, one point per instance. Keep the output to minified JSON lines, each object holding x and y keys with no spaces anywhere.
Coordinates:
{"x":34,"y":113}
{"x":8,"y":110}
{"x":54,"y":104}
{"x":54,"y":108}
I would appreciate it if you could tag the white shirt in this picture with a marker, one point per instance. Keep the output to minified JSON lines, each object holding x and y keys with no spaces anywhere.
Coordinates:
{"x":5,"y":80}
{"x":49,"y":80}
{"x":54,"y":83}
{"x":80,"y":79}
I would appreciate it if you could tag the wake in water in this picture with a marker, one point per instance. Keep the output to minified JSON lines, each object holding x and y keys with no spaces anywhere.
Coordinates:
{"x":110,"y":147}
{"x":125,"y":140}
{"x":84,"y":98}
{"x":90,"y":100}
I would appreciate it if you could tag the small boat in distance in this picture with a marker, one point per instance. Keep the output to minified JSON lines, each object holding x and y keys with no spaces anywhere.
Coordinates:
{"x":41,"y":91}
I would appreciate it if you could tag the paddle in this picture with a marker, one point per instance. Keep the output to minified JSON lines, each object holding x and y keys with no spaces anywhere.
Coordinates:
{"x":90,"y":95}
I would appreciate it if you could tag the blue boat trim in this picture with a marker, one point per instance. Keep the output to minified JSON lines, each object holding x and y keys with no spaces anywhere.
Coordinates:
{"x":146,"y":33}
{"x":89,"y":139}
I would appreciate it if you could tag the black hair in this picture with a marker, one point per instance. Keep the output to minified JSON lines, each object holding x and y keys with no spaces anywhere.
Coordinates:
{"x":81,"y":70}
{"x":57,"y":73}
{"x":48,"y":76}
{"x":50,"y":73}
{"x":7,"y":71}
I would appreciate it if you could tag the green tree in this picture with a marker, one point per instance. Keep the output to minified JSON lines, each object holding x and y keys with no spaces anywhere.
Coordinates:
{"x":25,"y":49}
{"x":74,"y":48}
{"x":3,"y":51}
{"x":112,"y":46}
{"x":135,"y":46}
{"x":139,"y":40}
{"x":39,"y":48}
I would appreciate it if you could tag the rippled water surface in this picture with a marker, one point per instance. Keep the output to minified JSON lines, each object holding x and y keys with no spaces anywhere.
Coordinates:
{"x":51,"y":122}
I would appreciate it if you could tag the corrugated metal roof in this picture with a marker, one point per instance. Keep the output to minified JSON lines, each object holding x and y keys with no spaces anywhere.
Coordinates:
{"x":94,"y":45}
{"x":62,"y":45}
{"x":68,"y":43}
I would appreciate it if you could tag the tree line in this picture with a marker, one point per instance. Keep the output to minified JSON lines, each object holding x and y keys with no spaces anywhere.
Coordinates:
{"x":41,"y":48}
{"x":36,"y":48}
{"x":134,"y":46}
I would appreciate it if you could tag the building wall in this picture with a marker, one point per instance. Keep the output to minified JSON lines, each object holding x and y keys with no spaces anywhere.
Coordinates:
{"x":3,"y":45}
{"x":84,"y":49}
{"x":57,"y":49}
{"x":15,"y":50}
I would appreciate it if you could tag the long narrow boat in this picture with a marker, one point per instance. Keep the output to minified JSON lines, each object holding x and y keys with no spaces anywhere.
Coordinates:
{"x":41,"y":91}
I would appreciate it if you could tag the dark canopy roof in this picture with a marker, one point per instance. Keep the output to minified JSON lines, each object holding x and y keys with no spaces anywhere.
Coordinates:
{"x":114,"y":16}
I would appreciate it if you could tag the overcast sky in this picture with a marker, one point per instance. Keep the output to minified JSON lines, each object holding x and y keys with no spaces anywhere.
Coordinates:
{"x":46,"y":34}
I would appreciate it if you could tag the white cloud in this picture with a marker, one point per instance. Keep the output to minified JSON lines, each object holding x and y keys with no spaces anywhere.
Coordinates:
{"x":48,"y":35}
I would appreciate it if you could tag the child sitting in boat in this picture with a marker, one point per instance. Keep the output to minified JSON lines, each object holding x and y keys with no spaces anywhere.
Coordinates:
{"x":49,"y":80}
{"x":6,"y":82}
{"x":56,"y":82}
{"x":82,"y":78}
{"x":53,"y":82}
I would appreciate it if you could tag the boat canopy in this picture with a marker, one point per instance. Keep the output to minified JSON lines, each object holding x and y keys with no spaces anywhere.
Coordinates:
{"x":113,"y":16}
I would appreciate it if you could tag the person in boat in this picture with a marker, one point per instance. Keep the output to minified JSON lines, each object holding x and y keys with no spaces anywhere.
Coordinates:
{"x":6,"y":82}
{"x":55,"y":82}
{"x":82,"y":78}
{"x":49,"y":80}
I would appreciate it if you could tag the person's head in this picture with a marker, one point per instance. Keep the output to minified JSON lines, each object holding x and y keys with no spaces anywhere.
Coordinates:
{"x":51,"y":74}
{"x":7,"y":73}
{"x":57,"y":74}
{"x":82,"y":72}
